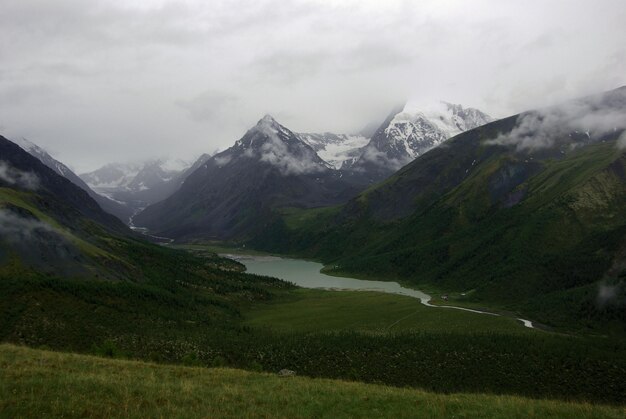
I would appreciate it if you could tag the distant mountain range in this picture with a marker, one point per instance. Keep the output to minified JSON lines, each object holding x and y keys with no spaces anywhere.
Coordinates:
{"x":347,"y":163}
{"x":234,"y":193}
{"x":122,"y":189}
{"x":272,"y":167}
{"x":408,"y":132}
{"x":137,"y":185}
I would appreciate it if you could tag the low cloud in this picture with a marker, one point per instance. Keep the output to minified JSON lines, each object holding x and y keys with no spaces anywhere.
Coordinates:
{"x":18,"y":229}
{"x":276,"y":152}
{"x":373,"y":155}
{"x":610,"y":294}
{"x":621,"y":141}
{"x":16,"y":177}
{"x":567,"y":125}
{"x":209,"y":105}
{"x":222,"y":160}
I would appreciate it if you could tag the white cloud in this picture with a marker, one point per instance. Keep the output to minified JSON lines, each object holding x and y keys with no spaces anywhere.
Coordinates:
{"x":13,"y":176}
{"x":621,"y":142}
{"x":590,"y":119}
{"x":276,"y":152}
{"x":610,"y":294}
{"x":17,"y":229}
{"x":98,"y":81}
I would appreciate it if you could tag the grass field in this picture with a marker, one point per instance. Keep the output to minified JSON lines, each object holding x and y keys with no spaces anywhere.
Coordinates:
{"x":36,"y":383}
{"x":306,"y":310}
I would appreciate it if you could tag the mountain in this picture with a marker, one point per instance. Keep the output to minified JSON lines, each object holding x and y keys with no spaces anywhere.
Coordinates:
{"x":237,"y":191}
{"x":527,"y":213}
{"x":335,"y":149}
{"x":75,"y":278}
{"x":48,"y":224}
{"x":138,"y":185}
{"x":120,"y":210}
{"x":113,"y":175}
{"x":410,"y":131}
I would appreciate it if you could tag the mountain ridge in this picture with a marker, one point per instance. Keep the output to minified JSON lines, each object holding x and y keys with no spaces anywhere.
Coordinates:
{"x":111,"y":206}
{"x":269,"y":167}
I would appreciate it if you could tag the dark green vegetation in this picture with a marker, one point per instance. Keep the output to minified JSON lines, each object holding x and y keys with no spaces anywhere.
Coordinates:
{"x":539,"y":232}
{"x":46,"y":384}
{"x":533,"y":237}
{"x":352,"y":311}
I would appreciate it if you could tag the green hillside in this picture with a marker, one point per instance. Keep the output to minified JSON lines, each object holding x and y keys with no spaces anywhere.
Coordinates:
{"x":73,"y":279}
{"x":47,"y":384}
{"x":538,"y":233}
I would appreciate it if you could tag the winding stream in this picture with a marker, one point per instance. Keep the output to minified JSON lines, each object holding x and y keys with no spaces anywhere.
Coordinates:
{"x":307,"y":275}
{"x":144,"y":231}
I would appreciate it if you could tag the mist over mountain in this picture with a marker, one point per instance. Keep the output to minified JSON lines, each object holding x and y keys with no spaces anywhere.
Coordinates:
{"x":137,"y":185}
{"x":313,"y":208}
{"x":47,"y":223}
{"x":235,"y":192}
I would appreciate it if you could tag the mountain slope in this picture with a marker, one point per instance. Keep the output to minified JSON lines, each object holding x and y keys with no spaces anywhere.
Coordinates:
{"x":235,"y":192}
{"x":410,"y":131}
{"x":25,"y":173}
{"x":49,"y":225}
{"x":72,"y":276}
{"x":121,"y":211}
{"x":527,"y":212}
{"x":335,"y":149}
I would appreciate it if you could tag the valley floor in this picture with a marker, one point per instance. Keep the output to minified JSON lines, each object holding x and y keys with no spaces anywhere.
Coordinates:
{"x":312,"y":310}
{"x":37,"y":383}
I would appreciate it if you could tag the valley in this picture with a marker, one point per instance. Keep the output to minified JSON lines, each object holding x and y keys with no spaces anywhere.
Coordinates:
{"x":441,"y":259}
{"x":307,"y":275}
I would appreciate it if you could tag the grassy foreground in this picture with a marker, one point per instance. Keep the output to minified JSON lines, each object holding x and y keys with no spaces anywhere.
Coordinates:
{"x":38,"y":383}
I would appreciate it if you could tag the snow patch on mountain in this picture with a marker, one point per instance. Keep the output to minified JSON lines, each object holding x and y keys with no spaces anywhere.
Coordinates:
{"x":335,"y":149}
{"x":272,"y":143}
{"x":112,"y":175}
{"x":415,"y":130}
{"x":174,"y":165}
{"x":135,"y":175}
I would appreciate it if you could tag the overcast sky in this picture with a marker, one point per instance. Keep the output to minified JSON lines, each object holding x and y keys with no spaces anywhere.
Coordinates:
{"x":119,"y":80}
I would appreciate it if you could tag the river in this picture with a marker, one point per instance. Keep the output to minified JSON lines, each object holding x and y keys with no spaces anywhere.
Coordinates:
{"x":307,"y":274}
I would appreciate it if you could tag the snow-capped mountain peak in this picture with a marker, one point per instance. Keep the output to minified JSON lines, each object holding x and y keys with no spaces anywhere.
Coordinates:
{"x":272,"y":143}
{"x":410,"y":131}
{"x":267,"y":120}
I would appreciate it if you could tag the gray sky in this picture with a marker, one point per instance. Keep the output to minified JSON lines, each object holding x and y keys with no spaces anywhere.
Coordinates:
{"x":118,"y":80}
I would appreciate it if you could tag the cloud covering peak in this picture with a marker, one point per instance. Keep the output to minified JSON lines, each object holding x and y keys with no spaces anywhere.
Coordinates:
{"x":93,"y":81}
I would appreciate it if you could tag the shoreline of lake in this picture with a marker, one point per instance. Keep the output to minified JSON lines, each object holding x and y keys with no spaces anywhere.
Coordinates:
{"x":307,"y":274}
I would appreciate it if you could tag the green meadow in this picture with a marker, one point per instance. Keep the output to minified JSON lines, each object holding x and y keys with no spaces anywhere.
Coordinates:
{"x":307,"y":310}
{"x":36,"y":383}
